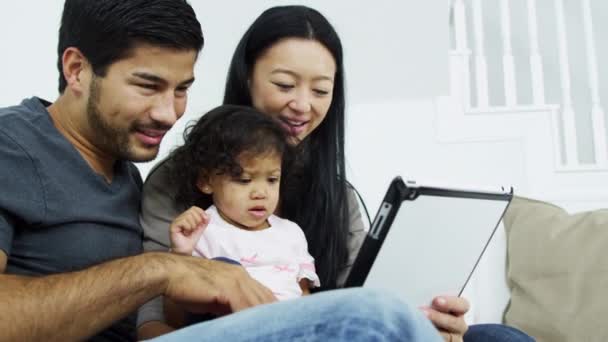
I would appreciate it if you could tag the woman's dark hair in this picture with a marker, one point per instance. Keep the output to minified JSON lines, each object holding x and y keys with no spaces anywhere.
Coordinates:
{"x":214,"y":144}
{"x":317,"y":201}
{"x":106,"y":31}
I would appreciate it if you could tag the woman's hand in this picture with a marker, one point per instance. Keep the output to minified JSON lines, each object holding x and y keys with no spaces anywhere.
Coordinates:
{"x":447,"y":314}
{"x":186,"y":229}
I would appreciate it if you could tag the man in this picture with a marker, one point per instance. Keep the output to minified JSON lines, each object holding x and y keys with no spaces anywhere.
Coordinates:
{"x":70,"y":240}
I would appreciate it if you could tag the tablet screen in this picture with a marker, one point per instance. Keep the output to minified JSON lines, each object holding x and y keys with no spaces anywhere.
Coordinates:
{"x":433,"y":245}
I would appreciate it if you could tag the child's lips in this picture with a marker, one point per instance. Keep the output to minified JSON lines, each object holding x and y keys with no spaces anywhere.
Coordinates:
{"x":258,"y":212}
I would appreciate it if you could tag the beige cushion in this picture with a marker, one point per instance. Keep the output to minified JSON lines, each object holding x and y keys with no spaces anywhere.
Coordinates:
{"x":557,"y":271}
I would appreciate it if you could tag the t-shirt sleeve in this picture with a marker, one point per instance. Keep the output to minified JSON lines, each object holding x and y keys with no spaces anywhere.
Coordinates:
{"x":6,"y":232}
{"x":158,"y":209}
{"x":22,"y":196}
{"x":306,"y":263}
{"x":356,"y":235}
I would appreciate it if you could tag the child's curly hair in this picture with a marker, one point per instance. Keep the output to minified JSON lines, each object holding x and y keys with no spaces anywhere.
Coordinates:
{"x":213,"y":144}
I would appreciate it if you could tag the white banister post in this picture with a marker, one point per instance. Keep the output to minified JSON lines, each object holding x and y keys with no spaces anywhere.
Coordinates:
{"x":568,"y":118}
{"x":507,"y":58}
{"x":461,"y":85}
{"x":597,"y":113}
{"x":460,"y":25}
{"x":536,"y":64}
{"x":481,"y":68}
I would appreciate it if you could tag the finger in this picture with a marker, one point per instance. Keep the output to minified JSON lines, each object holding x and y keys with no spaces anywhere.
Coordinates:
{"x":447,"y":322}
{"x":192,"y":224}
{"x":255,"y":293}
{"x":446,"y":336}
{"x":201,"y":213}
{"x":199,"y":230}
{"x":177,"y":226}
{"x":450,"y":304}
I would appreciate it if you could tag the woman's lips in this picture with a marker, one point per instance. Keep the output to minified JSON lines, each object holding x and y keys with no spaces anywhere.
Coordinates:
{"x":294,"y":127}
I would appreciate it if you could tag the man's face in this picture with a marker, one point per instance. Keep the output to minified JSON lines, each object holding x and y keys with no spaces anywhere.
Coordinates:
{"x":130,"y":109}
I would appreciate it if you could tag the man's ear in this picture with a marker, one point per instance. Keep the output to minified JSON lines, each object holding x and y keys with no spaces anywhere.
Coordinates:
{"x":203,"y":185}
{"x":76,"y":70}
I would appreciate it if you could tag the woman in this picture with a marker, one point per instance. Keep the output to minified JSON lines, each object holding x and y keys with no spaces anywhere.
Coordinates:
{"x":289,"y":64}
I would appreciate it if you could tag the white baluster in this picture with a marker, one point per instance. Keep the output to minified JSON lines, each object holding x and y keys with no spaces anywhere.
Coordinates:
{"x":508,"y":63}
{"x":481,"y":66}
{"x":568,"y":118}
{"x":460,"y":25}
{"x":461,"y":84}
{"x":536,"y":64}
{"x":597,"y":113}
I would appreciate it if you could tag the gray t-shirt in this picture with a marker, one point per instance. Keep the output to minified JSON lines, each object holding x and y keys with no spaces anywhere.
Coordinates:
{"x":56,"y":214}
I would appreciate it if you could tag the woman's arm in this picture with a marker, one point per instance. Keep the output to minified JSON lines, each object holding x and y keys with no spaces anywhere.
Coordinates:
{"x":158,"y":210}
{"x":356,"y":234}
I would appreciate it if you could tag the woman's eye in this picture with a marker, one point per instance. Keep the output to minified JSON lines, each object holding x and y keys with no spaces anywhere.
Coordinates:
{"x":320,"y":92}
{"x":284,"y":86}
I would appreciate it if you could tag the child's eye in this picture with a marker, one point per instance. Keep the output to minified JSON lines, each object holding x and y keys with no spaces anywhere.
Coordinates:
{"x":273,"y":180}
{"x":243,"y":180}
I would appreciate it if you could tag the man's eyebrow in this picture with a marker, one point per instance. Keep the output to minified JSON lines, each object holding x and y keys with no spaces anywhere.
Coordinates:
{"x":156,"y":79}
{"x":187,"y":82}
{"x":149,"y":77}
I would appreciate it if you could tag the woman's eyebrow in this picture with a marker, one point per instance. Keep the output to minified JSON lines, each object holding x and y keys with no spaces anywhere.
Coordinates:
{"x":296,"y":75}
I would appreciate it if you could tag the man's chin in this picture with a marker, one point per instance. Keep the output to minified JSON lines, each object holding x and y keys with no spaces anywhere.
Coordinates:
{"x":142,"y":154}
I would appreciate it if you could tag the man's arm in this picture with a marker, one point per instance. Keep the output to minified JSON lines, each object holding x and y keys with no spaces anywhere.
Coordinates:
{"x":85,"y":302}
{"x":81,"y":303}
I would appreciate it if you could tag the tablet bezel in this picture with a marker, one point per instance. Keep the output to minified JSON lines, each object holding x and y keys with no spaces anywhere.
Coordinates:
{"x":397,"y":193}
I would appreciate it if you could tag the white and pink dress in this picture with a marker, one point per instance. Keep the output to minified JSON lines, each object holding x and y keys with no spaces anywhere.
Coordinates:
{"x":276,"y":256}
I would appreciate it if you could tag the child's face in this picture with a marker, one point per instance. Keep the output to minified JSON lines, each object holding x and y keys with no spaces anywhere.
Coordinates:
{"x":248,"y":200}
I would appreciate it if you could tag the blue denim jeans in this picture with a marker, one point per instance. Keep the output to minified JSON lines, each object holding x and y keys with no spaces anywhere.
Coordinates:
{"x":340,"y":315}
{"x":495,"y":333}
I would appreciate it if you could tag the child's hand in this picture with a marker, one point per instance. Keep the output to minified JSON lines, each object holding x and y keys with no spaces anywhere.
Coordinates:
{"x":187,"y":229}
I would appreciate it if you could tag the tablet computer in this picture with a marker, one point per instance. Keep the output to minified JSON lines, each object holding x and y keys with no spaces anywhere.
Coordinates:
{"x":426,"y":241}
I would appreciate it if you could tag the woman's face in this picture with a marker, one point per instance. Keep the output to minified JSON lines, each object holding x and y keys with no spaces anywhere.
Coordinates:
{"x":294,"y":81}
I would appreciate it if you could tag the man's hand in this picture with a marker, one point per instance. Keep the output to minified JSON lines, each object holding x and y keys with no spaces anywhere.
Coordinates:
{"x":187,"y":229}
{"x":447,"y":314}
{"x":201,"y":285}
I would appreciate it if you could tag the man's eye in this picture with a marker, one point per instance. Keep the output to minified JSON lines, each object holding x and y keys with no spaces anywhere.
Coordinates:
{"x":181,"y":91}
{"x":148,"y":86}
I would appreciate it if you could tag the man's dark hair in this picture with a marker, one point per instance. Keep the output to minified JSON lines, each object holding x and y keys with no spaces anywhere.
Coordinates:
{"x":106,"y":31}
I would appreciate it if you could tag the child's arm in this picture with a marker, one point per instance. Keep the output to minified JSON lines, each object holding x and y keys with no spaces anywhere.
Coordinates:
{"x":305,"y":286}
{"x":186,"y":230}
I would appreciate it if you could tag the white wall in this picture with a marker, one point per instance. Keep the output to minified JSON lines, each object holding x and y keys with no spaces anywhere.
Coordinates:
{"x":386,"y":57}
